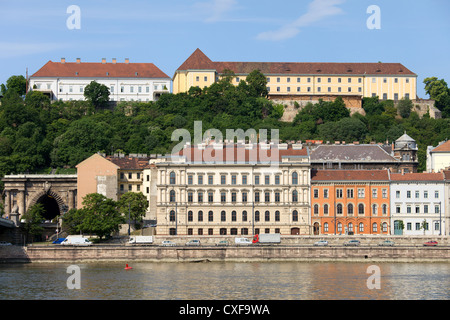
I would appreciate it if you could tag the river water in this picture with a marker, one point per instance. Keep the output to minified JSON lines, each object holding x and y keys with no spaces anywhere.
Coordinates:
{"x":225,"y":281}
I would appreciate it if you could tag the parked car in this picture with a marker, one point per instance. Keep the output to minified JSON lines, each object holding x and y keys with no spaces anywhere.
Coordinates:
{"x":387,"y":243}
{"x":321,"y":243}
{"x":354,"y":243}
{"x":168,"y":243}
{"x":223,"y":243}
{"x":4,"y":243}
{"x":430,"y":244}
{"x":193,"y":243}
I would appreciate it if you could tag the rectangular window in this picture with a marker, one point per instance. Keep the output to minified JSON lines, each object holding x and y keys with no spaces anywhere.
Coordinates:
{"x":256,"y":196}
{"x":277,"y":179}
{"x":267,"y":197}
{"x":200,"y":179}
{"x":374,"y":193}
{"x":339,"y":193}
{"x":223,"y":197}
{"x":223,"y":179}
{"x":397,"y":194}
{"x":408,"y":194}
{"x":425,"y":194}
{"x":277,"y":197}
{"x":256,"y":179}
{"x":316,"y":193}
{"x":425,"y":208}
{"x":190,"y":197}
{"x":210,"y":179}
{"x":436,"y":194}
{"x":350,"y":193}
{"x":244,"y":179}
{"x":233,"y":179}
{"x":210,"y":196}
{"x":384,"y":193}
{"x":190,"y":179}
{"x":200,"y":197}
{"x":244,"y":197}
{"x":325,"y":193}
{"x":361,"y":193}
{"x":233,"y":197}
{"x":266,"y":179}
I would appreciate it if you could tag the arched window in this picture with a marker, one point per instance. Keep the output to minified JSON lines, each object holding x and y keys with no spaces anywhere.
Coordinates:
{"x":294,"y":196}
{"x":244,"y":215}
{"x":374,"y":227}
{"x":325,"y":209}
{"x":172,"y":178}
{"x":200,"y":216}
{"x":172,"y":196}
{"x":350,"y":227}
{"x":172,"y":216}
{"x":295,"y":215}
{"x":277,"y":215}
{"x":190,"y":216}
{"x":316,"y":209}
{"x":350,"y":209}
{"x":267,"y":216}
{"x":210,"y":216}
{"x":360,"y":208}
{"x":384,"y":208}
{"x":339,"y":209}
{"x":223,"y":216}
{"x":325,"y":227}
{"x":294,"y":178}
{"x":385,"y":227}
{"x":256,"y":215}
{"x":374,"y":209}
{"x":339,"y":227}
{"x":361,"y":227}
{"x":233,"y":216}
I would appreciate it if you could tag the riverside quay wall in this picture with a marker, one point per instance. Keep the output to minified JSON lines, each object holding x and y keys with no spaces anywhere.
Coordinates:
{"x":19,"y":254}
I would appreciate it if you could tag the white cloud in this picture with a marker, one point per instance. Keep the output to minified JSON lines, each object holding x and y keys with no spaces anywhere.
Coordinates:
{"x":317,"y":10}
{"x":216,"y":9}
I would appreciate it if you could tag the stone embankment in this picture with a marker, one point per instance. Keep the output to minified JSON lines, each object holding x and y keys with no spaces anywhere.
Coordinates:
{"x":405,"y":249}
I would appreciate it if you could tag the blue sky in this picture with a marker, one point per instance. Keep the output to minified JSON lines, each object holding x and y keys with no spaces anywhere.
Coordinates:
{"x":414,"y":33}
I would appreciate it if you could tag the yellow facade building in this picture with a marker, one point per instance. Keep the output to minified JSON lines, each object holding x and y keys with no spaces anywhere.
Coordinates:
{"x":391,"y":81}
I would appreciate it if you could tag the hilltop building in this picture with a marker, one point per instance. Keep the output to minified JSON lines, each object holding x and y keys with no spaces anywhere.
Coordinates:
{"x":126,"y":81}
{"x":305,"y":81}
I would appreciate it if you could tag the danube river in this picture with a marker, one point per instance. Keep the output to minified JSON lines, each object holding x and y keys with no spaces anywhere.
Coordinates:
{"x":225,"y":281}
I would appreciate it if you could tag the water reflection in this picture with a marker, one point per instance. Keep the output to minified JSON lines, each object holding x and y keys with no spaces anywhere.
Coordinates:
{"x":220,"y":281}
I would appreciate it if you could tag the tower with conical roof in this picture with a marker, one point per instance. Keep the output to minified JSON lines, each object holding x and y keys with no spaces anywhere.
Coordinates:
{"x":405,"y":150}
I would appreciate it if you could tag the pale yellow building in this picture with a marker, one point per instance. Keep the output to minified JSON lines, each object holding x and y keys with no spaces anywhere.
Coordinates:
{"x":391,"y":81}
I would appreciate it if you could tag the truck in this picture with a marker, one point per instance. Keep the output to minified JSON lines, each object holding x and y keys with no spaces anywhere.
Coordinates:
{"x":76,"y":241}
{"x":141,"y":240}
{"x":242,"y":241}
{"x":267,"y":238}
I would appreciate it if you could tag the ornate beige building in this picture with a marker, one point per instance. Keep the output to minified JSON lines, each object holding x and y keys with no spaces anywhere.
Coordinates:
{"x":236,"y":189}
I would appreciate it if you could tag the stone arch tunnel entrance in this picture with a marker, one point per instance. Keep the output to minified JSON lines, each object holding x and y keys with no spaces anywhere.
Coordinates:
{"x":51,"y":207}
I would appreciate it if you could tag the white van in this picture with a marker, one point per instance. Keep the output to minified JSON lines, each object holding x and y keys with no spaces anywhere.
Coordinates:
{"x":242,"y":241}
{"x":76,"y":241}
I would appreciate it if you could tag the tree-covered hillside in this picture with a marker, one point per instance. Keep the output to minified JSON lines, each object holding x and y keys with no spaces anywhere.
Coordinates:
{"x":36,"y":135}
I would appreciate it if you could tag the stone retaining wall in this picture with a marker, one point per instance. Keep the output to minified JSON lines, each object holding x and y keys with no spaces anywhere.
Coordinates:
{"x":17,"y":254}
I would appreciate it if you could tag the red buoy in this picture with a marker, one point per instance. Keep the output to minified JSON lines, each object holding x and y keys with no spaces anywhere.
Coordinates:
{"x":127,"y":267}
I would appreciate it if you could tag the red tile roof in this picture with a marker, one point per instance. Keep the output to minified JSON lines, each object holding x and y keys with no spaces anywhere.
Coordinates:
{"x":349,"y":175}
{"x":99,"y":70}
{"x":417,"y":176}
{"x":445,"y":147}
{"x":198,"y":60}
{"x":130,"y":163}
{"x":235,"y":153}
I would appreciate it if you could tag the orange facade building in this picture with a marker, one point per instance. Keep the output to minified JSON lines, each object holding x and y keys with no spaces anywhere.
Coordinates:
{"x":350,"y":202}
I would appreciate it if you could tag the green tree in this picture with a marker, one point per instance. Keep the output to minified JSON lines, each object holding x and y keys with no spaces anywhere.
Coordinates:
{"x":33,"y":221}
{"x":404,"y":107}
{"x":97,"y":94}
{"x":257,"y":84}
{"x":439,"y":91}
{"x":17,"y":84}
{"x":99,"y":216}
{"x":133,"y":204}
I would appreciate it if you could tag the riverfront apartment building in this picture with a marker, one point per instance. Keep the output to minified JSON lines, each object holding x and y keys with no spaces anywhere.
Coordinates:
{"x":111,"y":176}
{"x":234,"y":189}
{"x":350,"y":202}
{"x":126,"y":81}
{"x":418,"y":204}
{"x":302,"y":79}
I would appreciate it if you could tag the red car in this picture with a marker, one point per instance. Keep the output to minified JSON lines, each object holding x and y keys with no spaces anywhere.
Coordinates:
{"x":430,"y":244}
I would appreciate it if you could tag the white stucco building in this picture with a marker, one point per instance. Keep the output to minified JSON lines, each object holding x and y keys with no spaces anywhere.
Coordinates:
{"x":126,"y":81}
{"x":417,"y":198}
{"x":438,"y":158}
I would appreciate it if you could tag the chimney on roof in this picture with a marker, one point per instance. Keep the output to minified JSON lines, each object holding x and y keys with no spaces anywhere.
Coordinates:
{"x":63,"y":60}
{"x":114,"y":60}
{"x":78,"y":60}
{"x":103,"y":60}
{"x":127,"y":60}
